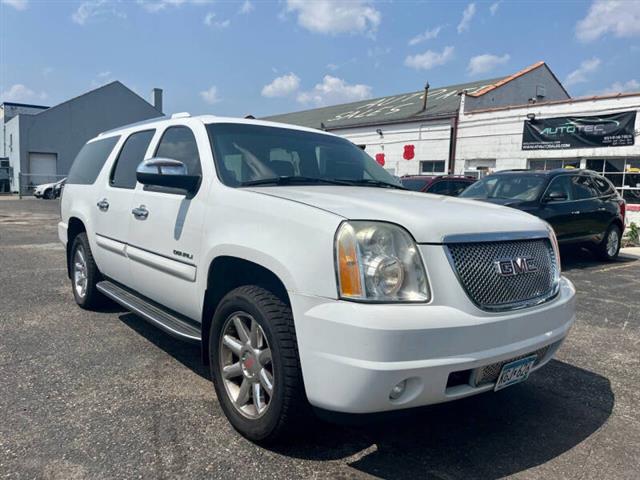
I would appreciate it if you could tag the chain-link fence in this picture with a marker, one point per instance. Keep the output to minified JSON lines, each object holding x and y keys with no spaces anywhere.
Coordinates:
{"x":28,"y":182}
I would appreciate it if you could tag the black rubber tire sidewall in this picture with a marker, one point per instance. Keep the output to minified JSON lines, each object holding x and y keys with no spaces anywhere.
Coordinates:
{"x":278,"y":419}
{"x":93,"y":297}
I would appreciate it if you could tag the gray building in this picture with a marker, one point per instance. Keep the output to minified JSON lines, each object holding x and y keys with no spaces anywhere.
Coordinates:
{"x":40,"y":143}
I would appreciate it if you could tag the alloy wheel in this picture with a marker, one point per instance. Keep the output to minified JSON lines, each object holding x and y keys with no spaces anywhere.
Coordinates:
{"x":80,"y":280}
{"x":245,"y":365}
{"x":612,"y":242}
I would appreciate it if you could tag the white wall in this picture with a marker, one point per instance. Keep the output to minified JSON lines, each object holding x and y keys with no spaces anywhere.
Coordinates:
{"x":431,"y":141}
{"x":12,"y":147}
{"x":498,"y":134}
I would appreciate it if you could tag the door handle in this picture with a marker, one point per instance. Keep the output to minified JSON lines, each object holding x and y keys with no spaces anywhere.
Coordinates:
{"x":103,"y":205}
{"x":577,"y":212}
{"x":141,"y":212}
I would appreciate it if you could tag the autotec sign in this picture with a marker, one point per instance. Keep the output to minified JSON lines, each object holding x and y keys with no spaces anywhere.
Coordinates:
{"x":563,"y":133}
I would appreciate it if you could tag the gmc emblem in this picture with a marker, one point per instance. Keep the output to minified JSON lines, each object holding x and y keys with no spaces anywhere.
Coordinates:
{"x":509,"y":267}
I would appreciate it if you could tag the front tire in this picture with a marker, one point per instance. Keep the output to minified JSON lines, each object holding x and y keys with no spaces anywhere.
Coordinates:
{"x":84,"y":274}
{"x":48,"y":194}
{"x":255,"y":365}
{"x":609,"y":248}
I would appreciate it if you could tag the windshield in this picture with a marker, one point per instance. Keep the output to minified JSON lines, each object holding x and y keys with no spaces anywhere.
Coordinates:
{"x":257,"y":155}
{"x":414,"y":184}
{"x":513,"y":187}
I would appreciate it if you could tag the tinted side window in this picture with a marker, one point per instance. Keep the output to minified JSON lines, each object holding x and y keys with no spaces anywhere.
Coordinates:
{"x":124,"y":173}
{"x":178,"y":143}
{"x":458,"y":187}
{"x":90,"y":160}
{"x":583,"y":188}
{"x":602,"y":185}
{"x":561,"y":185}
{"x":439,"y":188}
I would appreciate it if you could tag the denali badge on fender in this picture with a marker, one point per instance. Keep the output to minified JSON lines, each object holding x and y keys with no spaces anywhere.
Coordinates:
{"x":183,"y":254}
{"x":515,"y":266}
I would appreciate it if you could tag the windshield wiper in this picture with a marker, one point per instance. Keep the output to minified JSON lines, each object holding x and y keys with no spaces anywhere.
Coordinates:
{"x":291,"y":180}
{"x":369,"y":182}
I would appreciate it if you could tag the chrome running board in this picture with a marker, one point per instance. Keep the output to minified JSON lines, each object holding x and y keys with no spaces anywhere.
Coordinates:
{"x":171,"y":323}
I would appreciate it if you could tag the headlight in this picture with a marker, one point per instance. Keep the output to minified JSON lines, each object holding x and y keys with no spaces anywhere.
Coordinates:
{"x":556,"y":251}
{"x":379,"y":262}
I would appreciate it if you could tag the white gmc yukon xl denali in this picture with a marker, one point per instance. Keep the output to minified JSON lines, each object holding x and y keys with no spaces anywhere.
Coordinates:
{"x":305,"y":271}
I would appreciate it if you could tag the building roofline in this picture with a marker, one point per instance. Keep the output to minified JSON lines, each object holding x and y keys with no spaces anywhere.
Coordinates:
{"x":28,"y":105}
{"x":555,"y":102}
{"x":518,"y":74}
{"x":118,"y":82}
{"x":378,"y":98}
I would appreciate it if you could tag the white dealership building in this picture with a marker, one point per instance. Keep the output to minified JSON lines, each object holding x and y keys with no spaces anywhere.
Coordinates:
{"x":479,"y":127}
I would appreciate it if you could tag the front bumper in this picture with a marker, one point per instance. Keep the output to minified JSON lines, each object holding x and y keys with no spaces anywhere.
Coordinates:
{"x":352,"y":354}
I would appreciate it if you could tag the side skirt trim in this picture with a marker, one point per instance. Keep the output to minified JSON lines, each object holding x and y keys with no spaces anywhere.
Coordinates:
{"x":173,"y":324}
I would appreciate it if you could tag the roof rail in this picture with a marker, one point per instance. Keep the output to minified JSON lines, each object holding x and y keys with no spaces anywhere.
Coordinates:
{"x":180,"y":115}
{"x":134,"y":124}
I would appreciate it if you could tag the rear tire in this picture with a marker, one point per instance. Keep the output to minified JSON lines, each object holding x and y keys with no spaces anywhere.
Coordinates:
{"x":84,"y":274}
{"x":48,"y":194}
{"x":241,"y":367}
{"x":609,"y":248}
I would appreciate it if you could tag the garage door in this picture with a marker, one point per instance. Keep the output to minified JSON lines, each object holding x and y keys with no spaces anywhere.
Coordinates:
{"x":42,"y":167}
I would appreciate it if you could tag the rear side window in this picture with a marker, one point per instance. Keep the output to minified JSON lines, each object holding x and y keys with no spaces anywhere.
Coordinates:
{"x":90,"y":160}
{"x":456,"y":188}
{"x":414,"y":184}
{"x":603,"y":185}
{"x":178,"y":143}
{"x":440,"y":188}
{"x":583,"y":188}
{"x":124,"y":173}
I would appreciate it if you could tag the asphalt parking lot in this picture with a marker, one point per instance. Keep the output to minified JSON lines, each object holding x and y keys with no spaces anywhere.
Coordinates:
{"x":104,"y":395}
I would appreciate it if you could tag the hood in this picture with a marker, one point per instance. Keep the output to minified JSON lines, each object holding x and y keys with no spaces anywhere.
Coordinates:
{"x":429,"y":218}
{"x":505,"y":202}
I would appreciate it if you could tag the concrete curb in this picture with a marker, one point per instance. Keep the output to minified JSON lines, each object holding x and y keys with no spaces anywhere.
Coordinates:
{"x":631,"y":251}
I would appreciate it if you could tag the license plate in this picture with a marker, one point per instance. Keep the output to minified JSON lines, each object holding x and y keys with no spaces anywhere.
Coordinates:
{"x":515,"y":372}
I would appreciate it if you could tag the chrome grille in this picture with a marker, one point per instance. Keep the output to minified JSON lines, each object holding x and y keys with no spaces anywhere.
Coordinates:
{"x":490,"y":373}
{"x":476,"y":267}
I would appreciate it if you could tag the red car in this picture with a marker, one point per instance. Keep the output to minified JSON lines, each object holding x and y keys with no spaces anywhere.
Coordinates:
{"x":452,"y":185}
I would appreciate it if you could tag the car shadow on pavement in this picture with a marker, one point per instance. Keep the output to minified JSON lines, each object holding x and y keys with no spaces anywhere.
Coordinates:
{"x":487,"y":436}
{"x":186,"y":353}
{"x":577,"y":258}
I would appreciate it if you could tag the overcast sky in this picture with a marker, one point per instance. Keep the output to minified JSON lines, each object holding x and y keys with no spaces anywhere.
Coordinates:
{"x":267,"y":57}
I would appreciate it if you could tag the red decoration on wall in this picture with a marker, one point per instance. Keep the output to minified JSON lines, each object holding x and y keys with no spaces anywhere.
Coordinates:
{"x":380,"y":158}
{"x":409,"y":152}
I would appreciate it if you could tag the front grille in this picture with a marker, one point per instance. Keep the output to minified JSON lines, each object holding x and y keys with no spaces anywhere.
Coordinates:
{"x":490,"y":288}
{"x":490,"y":373}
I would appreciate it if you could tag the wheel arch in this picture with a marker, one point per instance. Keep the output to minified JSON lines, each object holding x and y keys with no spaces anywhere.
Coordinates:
{"x":75,"y":227}
{"x":618,"y":222}
{"x":227,"y":272}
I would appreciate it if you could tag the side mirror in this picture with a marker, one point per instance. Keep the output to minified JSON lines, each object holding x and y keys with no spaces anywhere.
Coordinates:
{"x":166,"y":172}
{"x":556,"y":196}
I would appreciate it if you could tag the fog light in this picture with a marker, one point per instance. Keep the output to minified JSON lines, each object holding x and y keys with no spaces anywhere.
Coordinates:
{"x":398,"y":390}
